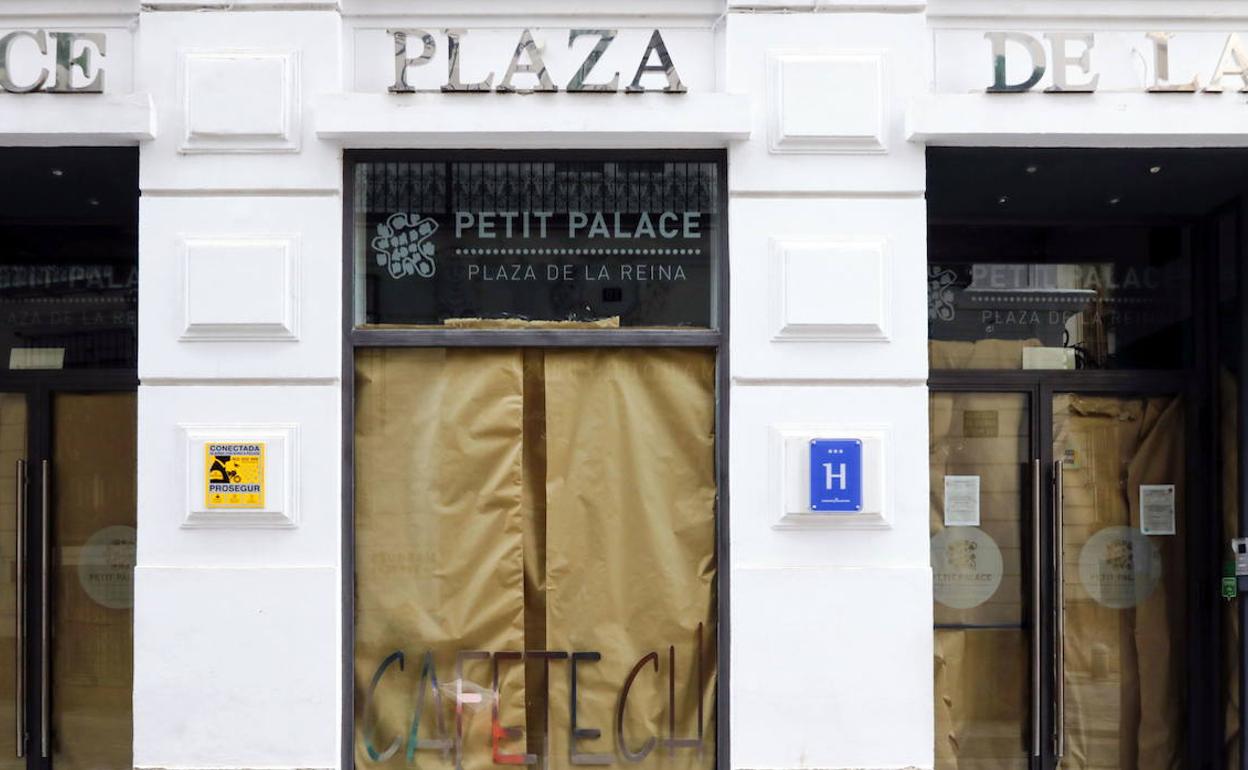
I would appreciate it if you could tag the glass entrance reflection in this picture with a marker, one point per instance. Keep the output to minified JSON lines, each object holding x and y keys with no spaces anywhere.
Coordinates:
{"x":68,"y":428}
{"x":1121,"y":578}
{"x":983,"y":675}
{"x":92,"y":581}
{"x":1075,"y":309}
{"x":13,"y":620}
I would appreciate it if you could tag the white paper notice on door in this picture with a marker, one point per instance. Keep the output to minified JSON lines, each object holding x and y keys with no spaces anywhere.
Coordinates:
{"x":961,"y":501}
{"x":1157,"y":509}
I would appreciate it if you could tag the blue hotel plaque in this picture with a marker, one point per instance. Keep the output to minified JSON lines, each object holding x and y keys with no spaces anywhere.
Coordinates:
{"x":836,"y":475}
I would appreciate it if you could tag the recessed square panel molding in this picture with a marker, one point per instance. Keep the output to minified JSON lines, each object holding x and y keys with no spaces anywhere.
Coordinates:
{"x":830,"y":290}
{"x":239,"y":101}
{"x":789,"y":484}
{"x":827,"y":102}
{"x":264,"y":456}
{"x":238,"y":289}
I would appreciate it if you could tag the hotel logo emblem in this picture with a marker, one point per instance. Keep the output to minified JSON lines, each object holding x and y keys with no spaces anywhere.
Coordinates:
{"x":404,"y":245}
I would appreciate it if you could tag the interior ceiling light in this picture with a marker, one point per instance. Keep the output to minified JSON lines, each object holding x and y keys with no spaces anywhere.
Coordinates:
{"x":1114,"y":201}
{"x":57,"y":172}
{"x":1154,"y":170}
{"x":93,"y":201}
{"x":1003,"y":199}
{"x":1032,"y":169}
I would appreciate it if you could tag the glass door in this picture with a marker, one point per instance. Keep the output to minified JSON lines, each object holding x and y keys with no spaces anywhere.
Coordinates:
{"x":983,"y":513}
{"x":1119,"y":522}
{"x":1060,"y":589}
{"x":13,"y":627}
{"x":90,"y":587}
{"x":67,"y":463}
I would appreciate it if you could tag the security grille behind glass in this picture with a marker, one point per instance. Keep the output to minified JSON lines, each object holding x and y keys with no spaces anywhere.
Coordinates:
{"x":608,"y":243}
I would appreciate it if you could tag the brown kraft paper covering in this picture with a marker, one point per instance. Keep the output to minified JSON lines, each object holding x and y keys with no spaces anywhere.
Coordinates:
{"x":982,"y":679}
{"x":556,"y":501}
{"x":439,"y":563}
{"x":12,"y":449}
{"x":978,"y":354}
{"x":93,"y":487}
{"x":982,"y":683}
{"x":630,"y":537}
{"x":1123,"y":689}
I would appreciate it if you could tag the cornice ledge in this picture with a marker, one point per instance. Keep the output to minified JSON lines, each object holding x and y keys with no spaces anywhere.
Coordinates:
{"x":539,"y":11}
{"x":826,"y":6}
{"x":156,"y":6}
{"x":67,"y":8}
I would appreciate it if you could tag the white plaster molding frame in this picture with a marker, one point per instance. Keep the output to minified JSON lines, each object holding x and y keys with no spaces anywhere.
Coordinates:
{"x":874,"y":142}
{"x":285,"y":330}
{"x":281,"y":502}
{"x":788,"y":484}
{"x":784,"y":331}
{"x":284,"y":140}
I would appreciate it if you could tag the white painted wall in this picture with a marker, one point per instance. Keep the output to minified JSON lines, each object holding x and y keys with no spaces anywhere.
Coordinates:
{"x":238,"y":661}
{"x":237,"y":630}
{"x":831,"y":655}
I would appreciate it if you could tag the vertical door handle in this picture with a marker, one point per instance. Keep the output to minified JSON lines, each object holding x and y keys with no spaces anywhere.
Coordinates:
{"x":19,"y":690}
{"x":1059,"y":611}
{"x":44,"y":617}
{"x":1037,"y":478}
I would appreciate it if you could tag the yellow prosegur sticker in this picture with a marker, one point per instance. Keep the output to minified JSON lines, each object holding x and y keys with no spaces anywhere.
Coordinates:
{"x":235,"y":474}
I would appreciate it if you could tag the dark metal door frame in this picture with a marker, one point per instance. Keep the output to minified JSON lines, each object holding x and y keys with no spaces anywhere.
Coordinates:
{"x":1241,"y":261}
{"x":40,"y":388}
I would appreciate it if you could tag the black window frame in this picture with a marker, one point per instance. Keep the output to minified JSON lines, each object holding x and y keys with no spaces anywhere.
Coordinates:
{"x":714,"y":339}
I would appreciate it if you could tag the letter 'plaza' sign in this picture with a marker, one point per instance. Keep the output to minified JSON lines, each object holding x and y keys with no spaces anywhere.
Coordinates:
{"x":526,"y":68}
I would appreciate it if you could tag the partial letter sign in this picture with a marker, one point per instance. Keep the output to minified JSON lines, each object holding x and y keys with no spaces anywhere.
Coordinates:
{"x":1034,"y":50}
{"x":65,"y":45}
{"x":1231,"y":62}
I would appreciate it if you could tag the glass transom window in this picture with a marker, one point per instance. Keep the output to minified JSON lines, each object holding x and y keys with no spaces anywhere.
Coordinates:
{"x":606,"y":241}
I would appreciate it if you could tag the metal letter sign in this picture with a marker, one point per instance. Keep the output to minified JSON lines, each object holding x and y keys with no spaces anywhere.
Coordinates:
{"x":1074,"y":49}
{"x":836,"y":475}
{"x":64,"y":45}
{"x":527,"y":59}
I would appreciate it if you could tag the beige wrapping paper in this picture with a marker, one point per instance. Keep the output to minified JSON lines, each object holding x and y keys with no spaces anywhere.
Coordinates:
{"x":520,"y":323}
{"x":1123,"y":689}
{"x":535,"y":500}
{"x":630,"y":537}
{"x":439,"y":535}
{"x":12,"y":449}
{"x":979,"y":354}
{"x":982,"y":679}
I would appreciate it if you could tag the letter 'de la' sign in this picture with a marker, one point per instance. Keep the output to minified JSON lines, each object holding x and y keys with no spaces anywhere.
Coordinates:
{"x":836,"y":475}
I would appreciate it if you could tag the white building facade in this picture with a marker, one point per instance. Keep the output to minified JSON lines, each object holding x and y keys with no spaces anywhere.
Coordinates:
{"x":272,"y":140}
